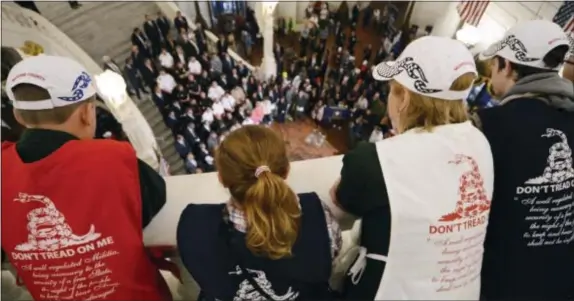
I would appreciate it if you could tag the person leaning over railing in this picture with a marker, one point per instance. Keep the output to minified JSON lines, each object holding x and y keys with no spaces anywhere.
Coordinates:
{"x":423,"y":195}
{"x":73,"y":207}
{"x":266,"y":242}
{"x":529,"y":247}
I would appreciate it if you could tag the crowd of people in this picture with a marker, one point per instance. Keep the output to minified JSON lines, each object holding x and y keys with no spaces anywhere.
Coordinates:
{"x":462,"y":203}
{"x":204,"y":96}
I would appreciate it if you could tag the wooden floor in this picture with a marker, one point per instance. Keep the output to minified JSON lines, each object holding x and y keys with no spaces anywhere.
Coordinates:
{"x":365,"y":36}
{"x":295,"y":133}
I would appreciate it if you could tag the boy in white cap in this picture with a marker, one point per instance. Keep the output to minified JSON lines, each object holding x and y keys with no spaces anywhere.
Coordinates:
{"x":423,"y":195}
{"x":73,"y":207}
{"x":529,"y":248}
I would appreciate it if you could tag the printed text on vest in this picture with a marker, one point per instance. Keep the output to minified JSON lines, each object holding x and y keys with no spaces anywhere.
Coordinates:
{"x":549,"y":197}
{"x":66,"y":266}
{"x":461,"y":250}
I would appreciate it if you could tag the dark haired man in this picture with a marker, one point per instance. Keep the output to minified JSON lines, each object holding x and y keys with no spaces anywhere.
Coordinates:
{"x":63,"y":213}
{"x":529,"y":247}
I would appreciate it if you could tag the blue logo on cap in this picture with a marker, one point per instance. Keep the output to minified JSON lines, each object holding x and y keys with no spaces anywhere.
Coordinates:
{"x":80,"y":84}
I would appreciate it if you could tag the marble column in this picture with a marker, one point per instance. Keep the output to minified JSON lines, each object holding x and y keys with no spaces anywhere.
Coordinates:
{"x":447,"y":24}
{"x":268,"y":64}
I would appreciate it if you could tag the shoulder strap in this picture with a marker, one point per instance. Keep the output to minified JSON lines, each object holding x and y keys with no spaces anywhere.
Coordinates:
{"x":238,"y":261}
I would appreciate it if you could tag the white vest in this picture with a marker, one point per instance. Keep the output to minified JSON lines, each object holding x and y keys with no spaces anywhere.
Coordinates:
{"x":439,"y":185}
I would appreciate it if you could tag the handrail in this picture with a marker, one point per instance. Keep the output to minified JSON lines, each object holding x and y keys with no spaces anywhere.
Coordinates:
{"x":169,"y":9}
{"x":314,"y":175}
{"x":129,"y":115}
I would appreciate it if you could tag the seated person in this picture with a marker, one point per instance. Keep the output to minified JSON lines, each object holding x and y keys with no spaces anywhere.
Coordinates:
{"x":228,"y":102}
{"x":215,"y":91}
{"x":166,"y":82}
{"x":433,"y":183}
{"x":194,"y":66}
{"x":218,"y":109}
{"x":165,"y":59}
{"x":265,"y":232}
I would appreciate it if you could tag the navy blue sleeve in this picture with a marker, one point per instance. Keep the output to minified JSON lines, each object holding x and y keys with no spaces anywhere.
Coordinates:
{"x":362,"y":187}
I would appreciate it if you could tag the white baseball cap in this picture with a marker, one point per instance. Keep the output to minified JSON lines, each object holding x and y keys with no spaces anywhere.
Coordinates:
{"x":66,"y":80}
{"x":428,"y":66}
{"x":527,"y":43}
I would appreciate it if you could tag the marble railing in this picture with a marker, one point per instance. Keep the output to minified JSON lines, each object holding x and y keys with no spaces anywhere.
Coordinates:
{"x":315,"y":175}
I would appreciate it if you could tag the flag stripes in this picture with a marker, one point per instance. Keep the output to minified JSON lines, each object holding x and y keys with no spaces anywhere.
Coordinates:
{"x":565,"y":16}
{"x":471,"y":12}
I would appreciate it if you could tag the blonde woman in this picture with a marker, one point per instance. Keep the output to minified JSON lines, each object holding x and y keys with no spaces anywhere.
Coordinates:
{"x":266,"y":242}
{"x":423,"y":195}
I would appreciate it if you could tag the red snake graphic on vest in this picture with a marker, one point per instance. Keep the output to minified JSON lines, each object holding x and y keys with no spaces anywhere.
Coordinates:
{"x":47,"y":227}
{"x":559,"y":163}
{"x":472,"y":199}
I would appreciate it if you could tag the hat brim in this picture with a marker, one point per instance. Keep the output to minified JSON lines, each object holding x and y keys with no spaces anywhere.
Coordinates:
{"x":381,"y":71}
{"x":482,"y":56}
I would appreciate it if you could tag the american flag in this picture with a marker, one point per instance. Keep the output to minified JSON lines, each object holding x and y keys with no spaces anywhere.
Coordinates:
{"x":471,"y":12}
{"x":565,"y":16}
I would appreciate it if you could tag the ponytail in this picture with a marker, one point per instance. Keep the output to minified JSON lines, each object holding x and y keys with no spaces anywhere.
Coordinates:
{"x":272,"y":214}
{"x":252,"y":163}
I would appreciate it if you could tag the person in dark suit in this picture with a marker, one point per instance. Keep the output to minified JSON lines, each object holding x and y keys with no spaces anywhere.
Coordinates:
{"x":191,"y":165}
{"x":164,"y":25}
{"x":137,"y":57}
{"x":200,"y":38}
{"x":227,"y":64}
{"x":149,"y":74}
{"x":191,"y":135}
{"x":180,"y":22}
{"x":153,"y":32}
{"x":171,"y":121}
{"x":222,"y":45}
{"x":133,"y":78}
{"x":182,"y":147}
{"x":159,"y":99}
{"x":140,"y":40}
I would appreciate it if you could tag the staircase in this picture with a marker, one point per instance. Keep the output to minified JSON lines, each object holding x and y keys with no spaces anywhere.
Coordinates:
{"x":104,"y":28}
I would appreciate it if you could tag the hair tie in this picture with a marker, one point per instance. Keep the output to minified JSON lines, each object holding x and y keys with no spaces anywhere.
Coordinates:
{"x":261,"y":169}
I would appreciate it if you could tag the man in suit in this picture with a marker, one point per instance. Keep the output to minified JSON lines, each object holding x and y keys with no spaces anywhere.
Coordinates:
{"x":180,"y":22}
{"x":138,"y":58}
{"x":182,"y":147}
{"x":133,"y":79}
{"x":222,"y":45}
{"x":153,"y":32}
{"x":200,"y":38}
{"x":191,"y":165}
{"x":227,"y":64}
{"x":163,"y":24}
{"x":140,"y":40}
